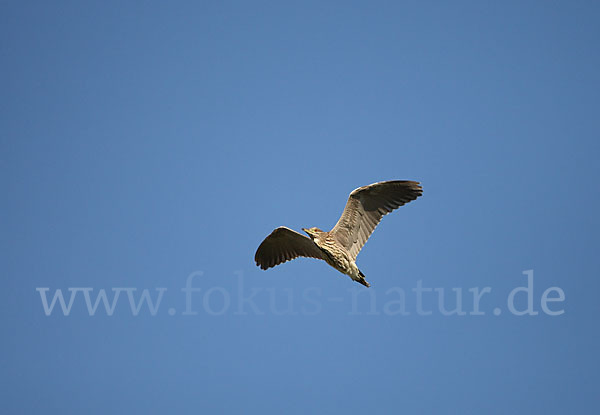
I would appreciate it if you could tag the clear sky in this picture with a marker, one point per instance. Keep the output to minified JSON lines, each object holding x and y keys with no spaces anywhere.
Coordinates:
{"x":150,"y":145}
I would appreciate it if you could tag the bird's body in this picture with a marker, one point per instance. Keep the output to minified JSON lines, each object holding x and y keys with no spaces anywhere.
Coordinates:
{"x":340,"y":246}
{"x":338,"y":257}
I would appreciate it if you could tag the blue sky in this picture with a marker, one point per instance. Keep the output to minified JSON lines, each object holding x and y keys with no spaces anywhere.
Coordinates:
{"x":145,"y":142}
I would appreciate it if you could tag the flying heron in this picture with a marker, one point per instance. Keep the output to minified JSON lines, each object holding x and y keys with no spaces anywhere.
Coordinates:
{"x":340,"y":246}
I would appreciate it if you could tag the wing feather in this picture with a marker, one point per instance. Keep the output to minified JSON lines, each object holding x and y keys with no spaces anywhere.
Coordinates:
{"x":365,"y":208}
{"x":285,"y":244}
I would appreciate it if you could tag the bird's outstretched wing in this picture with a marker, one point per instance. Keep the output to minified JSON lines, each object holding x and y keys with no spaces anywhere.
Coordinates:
{"x":365,"y":208}
{"x":284,"y":244}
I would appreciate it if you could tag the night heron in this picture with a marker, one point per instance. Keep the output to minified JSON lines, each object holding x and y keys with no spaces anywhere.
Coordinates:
{"x":340,"y":246}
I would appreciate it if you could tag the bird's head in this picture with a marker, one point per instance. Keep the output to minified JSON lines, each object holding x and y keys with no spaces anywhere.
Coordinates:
{"x":312,"y":232}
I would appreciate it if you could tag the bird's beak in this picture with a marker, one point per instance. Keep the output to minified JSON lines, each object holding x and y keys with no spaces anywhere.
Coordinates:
{"x":304,"y":229}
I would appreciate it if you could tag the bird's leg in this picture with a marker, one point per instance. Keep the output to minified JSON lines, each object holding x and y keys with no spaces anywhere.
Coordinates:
{"x":361,"y":279}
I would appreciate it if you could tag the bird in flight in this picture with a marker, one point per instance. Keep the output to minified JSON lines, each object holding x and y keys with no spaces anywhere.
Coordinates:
{"x":340,"y":246}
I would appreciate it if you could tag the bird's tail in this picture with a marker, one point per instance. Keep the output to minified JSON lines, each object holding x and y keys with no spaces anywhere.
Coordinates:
{"x":362,"y":279}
